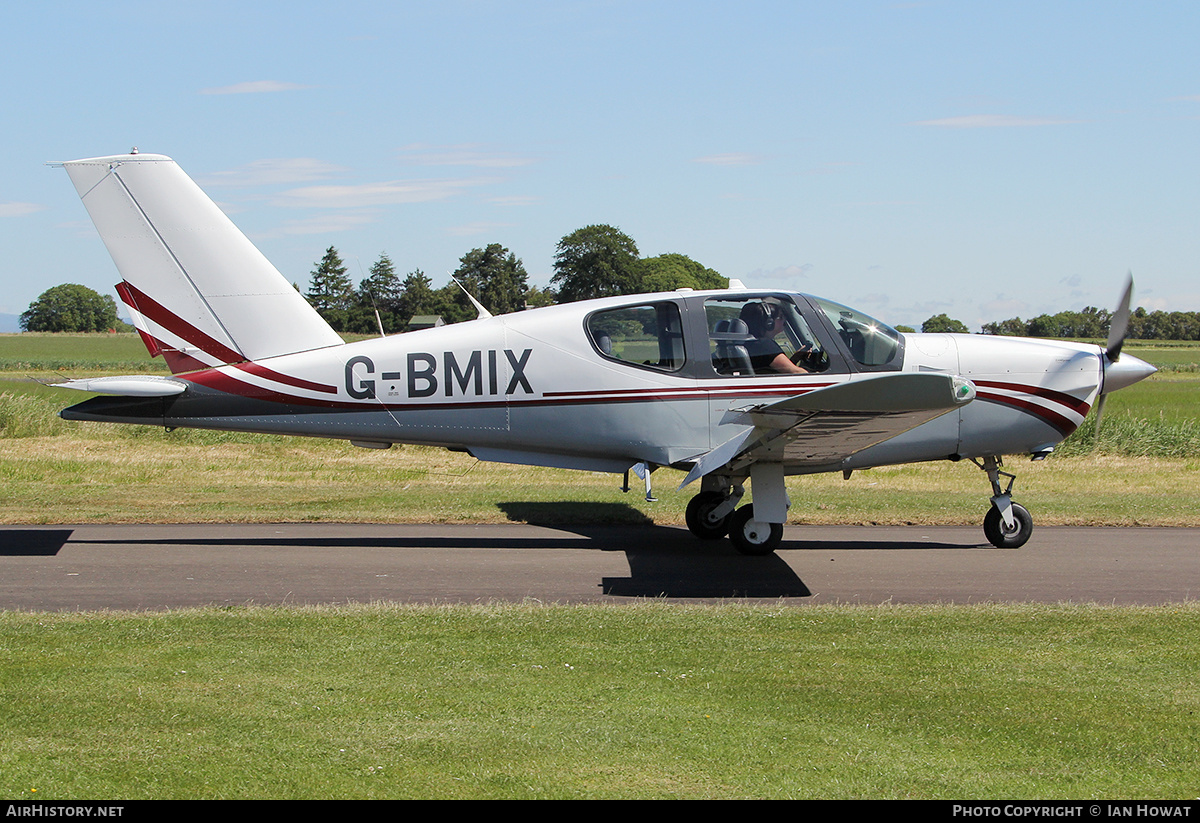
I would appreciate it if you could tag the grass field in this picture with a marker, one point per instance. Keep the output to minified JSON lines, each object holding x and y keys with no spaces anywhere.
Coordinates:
{"x":1142,"y":470}
{"x":658,"y":700}
{"x":649,"y":701}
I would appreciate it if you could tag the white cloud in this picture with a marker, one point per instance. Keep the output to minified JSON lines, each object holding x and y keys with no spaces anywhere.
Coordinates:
{"x":272,"y":172}
{"x":473,"y":229}
{"x":255,"y":87}
{"x":832,"y":167}
{"x":1002,"y":308}
{"x":924,"y":310}
{"x":387,"y":193}
{"x":993,"y":121}
{"x":322,"y":224}
{"x":729,"y":159}
{"x":515,"y":200}
{"x":778,"y":277}
{"x":14,"y":209}
{"x":466,"y":154}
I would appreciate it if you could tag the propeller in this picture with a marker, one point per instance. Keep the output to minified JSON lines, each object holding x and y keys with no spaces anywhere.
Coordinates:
{"x":1117,"y":374}
{"x":1119,"y":325}
{"x":1099,"y":416}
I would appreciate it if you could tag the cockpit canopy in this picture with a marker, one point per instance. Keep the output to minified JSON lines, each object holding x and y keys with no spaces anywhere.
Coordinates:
{"x":744,"y":334}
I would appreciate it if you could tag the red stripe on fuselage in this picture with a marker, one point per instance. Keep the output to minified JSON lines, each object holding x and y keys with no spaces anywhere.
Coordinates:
{"x":221,"y":381}
{"x":1062,"y":424}
{"x":260,"y":370}
{"x":147,"y":306}
{"x":1073,"y":403}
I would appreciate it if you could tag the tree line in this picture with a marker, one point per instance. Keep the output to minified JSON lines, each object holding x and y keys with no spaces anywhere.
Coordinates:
{"x":1091,"y":323}
{"x":594,"y":261}
{"x":1094,"y":323}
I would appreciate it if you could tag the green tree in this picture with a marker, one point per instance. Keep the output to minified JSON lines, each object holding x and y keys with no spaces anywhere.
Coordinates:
{"x":668,"y":272}
{"x":1013,"y":327}
{"x":1052,"y":325}
{"x":943,"y":323}
{"x":453,"y":306}
{"x":417,"y":297}
{"x":495,"y":277}
{"x":596,"y":261}
{"x":71,"y":307}
{"x":330,"y":291}
{"x":537,"y":298}
{"x":380,"y":291}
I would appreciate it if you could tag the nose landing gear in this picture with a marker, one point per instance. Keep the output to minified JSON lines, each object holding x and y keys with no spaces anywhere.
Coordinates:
{"x":1007,"y":525}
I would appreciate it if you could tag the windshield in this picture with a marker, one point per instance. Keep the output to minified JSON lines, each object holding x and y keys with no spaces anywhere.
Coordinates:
{"x":869,"y":341}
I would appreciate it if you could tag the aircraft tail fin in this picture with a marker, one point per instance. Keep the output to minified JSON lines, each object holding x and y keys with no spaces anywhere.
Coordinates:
{"x":197,"y":289}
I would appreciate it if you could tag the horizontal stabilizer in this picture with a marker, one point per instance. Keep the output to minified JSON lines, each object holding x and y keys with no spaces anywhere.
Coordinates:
{"x":195,"y":285}
{"x":136,"y":385}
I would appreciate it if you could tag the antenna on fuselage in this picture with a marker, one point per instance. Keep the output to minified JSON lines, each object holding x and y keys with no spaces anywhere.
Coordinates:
{"x":483,"y":313}
{"x":370,"y":294}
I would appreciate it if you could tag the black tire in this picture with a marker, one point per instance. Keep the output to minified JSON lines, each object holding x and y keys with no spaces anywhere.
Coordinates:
{"x":699,"y":521}
{"x":1001,"y":536}
{"x":751,"y":537}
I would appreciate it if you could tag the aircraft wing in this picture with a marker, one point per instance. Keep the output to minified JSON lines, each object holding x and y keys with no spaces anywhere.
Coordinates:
{"x":826,"y":426}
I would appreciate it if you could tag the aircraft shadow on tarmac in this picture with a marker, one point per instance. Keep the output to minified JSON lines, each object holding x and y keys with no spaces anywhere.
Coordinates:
{"x":664,"y":561}
{"x":33,"y":542}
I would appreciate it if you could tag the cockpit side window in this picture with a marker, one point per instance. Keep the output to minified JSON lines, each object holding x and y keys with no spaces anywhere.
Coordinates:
{"x":761,"y":335}
{"x":869,"y":341}
{"x":649,"y":336}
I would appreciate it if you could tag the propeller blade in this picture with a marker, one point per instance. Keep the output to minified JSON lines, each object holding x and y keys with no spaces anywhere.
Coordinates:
{"x":1119,"y":326}
{"x":1099,"y":417}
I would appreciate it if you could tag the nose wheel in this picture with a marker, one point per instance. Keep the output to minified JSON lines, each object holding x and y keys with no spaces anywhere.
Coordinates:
{"x":1002,"y":535}
{"x":1007,"y":525}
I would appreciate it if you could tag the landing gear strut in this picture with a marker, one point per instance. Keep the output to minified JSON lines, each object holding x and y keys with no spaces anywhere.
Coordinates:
{"x":713,"y":513}
{"x":1007,"y":525}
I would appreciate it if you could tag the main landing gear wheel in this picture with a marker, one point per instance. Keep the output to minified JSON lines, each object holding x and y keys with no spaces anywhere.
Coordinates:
{"x":1000,"y":535}
{"x":751,"y":537}
{"x":700,"y":519}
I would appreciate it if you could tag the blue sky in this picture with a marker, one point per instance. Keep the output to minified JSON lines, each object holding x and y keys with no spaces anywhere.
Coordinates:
{"x":907,"y":158}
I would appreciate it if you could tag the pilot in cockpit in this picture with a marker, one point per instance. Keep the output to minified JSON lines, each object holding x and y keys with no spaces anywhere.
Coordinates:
{"x":765,"y":321}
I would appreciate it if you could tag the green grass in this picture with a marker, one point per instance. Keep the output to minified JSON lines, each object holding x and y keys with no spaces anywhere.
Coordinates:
{"x":1140,"y":471}
{"x":215,"y":477}
{"x":649,"y":701}
{"x":1169,"y":396}
{"x":525,"y":701}
{"x":1167,"y":355}
{"x":121,"y":352}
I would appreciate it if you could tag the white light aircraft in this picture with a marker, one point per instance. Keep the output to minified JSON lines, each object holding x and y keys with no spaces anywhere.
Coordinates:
{"x":732,"y":386}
